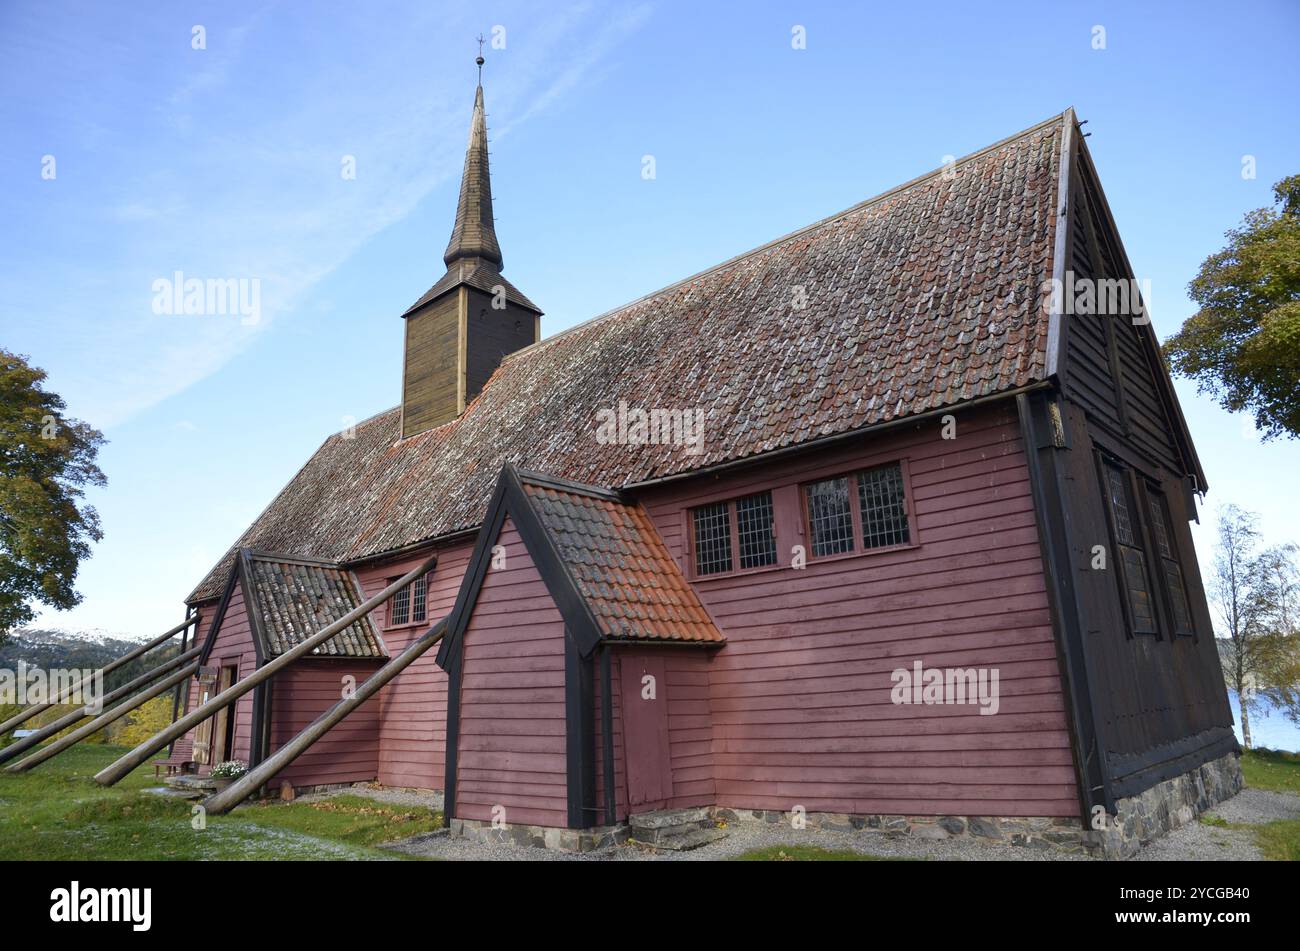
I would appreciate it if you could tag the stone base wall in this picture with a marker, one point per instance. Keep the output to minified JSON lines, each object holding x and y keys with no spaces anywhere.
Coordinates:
{"x":542,"y":837}
{"x":1161,"y":809}
{"x":1167,"y":806}
{"x":1061,"y":834}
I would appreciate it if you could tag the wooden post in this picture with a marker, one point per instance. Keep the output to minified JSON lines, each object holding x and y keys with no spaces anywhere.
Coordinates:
{"x":250,"y":782}
{"x":115,"y":771}
{"x":68,"y":719}
{"x":23,"y":716}
{"x":101,"y":721}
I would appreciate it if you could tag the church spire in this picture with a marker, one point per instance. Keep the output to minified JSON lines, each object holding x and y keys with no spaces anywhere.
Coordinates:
{"x":474,"y":234}
{"x":458,"y":333}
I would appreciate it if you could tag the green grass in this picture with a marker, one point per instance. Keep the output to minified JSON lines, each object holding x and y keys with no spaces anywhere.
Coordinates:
{"x":355,"y":820}
{"x":1273,"y":770}
{"x":809,"y":853}
{"x":57,"y":811}
{"x":1280,"y":840}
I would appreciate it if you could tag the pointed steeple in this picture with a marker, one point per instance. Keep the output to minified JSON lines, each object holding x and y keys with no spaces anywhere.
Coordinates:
{"x":461,"y":329}
{"x":474,"y":234}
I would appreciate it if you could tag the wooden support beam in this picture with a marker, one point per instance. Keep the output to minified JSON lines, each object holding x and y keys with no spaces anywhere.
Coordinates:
{"x":115,"y":771}
{"x":250,"y":782}
{"x":79,"y":714}
{"x":101,"y":721}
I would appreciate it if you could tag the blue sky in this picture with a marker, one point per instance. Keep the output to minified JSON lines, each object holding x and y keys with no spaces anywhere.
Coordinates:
{"x":226,"y":162}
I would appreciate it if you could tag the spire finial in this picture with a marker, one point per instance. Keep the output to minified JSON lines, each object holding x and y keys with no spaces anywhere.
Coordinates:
{"x":479,"y":59}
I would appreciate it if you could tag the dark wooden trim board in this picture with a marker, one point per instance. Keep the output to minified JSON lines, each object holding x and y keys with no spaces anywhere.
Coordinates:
{"x":1053,"y":532}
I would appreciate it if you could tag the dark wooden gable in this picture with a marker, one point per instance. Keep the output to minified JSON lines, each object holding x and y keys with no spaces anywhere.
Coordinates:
{"x":1113,"y":369}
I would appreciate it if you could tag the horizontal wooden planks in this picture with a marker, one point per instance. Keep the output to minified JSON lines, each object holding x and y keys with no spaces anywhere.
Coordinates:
{"x":413,"y":707}
{"x":511,"y":754}
{"x":799,"y":708}
{"x":349,"y":752}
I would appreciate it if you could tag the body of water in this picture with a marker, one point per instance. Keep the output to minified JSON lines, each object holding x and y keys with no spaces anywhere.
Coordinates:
{"x":1274,"y":731}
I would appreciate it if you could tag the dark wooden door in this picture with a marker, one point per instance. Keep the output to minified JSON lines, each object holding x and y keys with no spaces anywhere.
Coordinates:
{"x":645,"y":730}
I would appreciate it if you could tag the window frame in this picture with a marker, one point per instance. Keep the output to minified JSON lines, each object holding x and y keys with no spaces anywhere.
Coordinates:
{"x":409,"y":592}
{"x":1140,"y":528}
{"x":855,"y":510}
{"x":733,"y":526}
{"x":1154,"y":498}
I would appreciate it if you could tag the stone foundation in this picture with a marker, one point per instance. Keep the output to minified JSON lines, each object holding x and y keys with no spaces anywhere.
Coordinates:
{"x":541,"y":837}
{"x":1167,"y":806}
{"x":1155,"y":812}
{"x":1062,"y":834}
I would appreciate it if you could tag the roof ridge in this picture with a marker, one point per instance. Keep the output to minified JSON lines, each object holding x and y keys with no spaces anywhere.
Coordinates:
{"x":777,"y":242}
{"x":548,"y":481}
{"x":283,"y":558}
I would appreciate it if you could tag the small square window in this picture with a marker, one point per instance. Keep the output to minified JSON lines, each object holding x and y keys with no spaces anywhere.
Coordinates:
{"x":399,"y":608}
{"x":712,"y":538}
{"x":755,"y":532}
{"x":830,"y":518}
{"x":1131,"y":558}
{"x":884,"y":509}
{"x":418,"y":588}
{"x":1173,"y":569}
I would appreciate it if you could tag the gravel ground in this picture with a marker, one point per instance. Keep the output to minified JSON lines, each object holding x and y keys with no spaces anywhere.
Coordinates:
{"x":740,"y":838}
{"x":1196,"y":841}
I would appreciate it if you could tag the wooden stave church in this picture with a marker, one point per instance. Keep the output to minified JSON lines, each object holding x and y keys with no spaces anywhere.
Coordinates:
{"x":853,"y":346}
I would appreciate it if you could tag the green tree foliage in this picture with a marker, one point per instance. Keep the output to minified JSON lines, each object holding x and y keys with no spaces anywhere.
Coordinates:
{"x":1243,"y":345}
{"x":46,"y":461}
{"x":141,"y":723}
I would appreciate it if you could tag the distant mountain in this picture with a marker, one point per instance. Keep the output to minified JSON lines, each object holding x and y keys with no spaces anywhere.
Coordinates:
{"x":52,"y":648}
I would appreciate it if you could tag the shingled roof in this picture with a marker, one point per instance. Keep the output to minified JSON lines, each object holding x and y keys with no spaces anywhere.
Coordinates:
{"x":619,"y":564}
{"x":294,"y":599}
{"x":924,"y":297}
{"x":605,"y":566}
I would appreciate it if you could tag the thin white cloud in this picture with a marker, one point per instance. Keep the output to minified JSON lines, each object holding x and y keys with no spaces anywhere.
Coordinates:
{"x":230,"y":185}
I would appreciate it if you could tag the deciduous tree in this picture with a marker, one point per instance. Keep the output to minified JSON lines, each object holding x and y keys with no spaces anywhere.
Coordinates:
{"x":46,"y":462}
{"x":1243,"y":344}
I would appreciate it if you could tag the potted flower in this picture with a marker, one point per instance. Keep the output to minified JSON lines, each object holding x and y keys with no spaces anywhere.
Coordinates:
{"x":223,"y":774}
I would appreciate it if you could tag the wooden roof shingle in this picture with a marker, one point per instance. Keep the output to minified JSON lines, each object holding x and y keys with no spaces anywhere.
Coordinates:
{"x":925,"y":297}
{"x":294,"y":599}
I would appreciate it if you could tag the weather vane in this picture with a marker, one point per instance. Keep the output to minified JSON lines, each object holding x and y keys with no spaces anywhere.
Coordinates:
{"x":479,"y":60}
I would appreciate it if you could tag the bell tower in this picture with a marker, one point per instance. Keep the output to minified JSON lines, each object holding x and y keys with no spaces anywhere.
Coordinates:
{"x":458,"y":333}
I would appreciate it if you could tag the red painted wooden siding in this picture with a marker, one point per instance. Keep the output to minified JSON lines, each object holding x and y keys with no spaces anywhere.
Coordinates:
{"x":233,"y":647}
{"x":800,"y":696}
{"x":413,"y":707}
{"x":646,"y":748}
{"x":690,"y":734}
{"x":512,"y":714}
{"x":346,"y":754}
